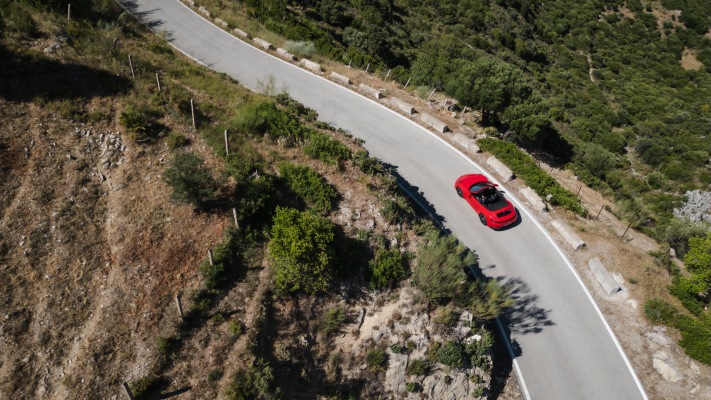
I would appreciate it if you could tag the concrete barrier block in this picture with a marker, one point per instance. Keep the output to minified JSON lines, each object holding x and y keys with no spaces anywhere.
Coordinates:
{"x":500,"y":168}
{"x":262,"y":43}
{"x":603,"y":276}
{"x":466,"y":142}
{"x":372,"y":92}
{"x":221,"y":23}
{"x":311,"y":66}
{"x":190,"y":2}
{"x":571,"y":237}
{"x":285,"y":54}
{"x":436,"y":124}
{"x":241,"y":33}
{"x":342,"y":79}
{"x":202,"y":10}
{"x":533,"y":200}
{"x":401,"y":105}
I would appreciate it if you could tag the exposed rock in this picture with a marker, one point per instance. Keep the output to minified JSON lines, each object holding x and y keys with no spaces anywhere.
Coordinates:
{"x":395,"y":377}
{"x":662,"y":366}
{"x":696,"y":208}
{"x":435,"y":387}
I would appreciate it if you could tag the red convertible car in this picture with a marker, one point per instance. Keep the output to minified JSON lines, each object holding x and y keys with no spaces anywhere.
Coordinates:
{"x":486,"y":200}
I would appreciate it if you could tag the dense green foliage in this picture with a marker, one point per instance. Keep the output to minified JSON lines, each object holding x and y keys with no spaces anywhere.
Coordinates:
{"x":525,"y":168}
{"x":309,"y":185}
{"x":695,"y":332}
{"x":388,"y":267}
{"x":253,"y":383}
{"x":300,"y":249}
{"x":191,"y":180}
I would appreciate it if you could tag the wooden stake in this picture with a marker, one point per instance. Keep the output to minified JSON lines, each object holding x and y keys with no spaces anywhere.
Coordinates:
{"x":388,"y":74}
{"x":444,"y":105}
{"x":227,"y":144}
{"x":128,"y":391}
{"x":130,"y":62}
{"x":367,"y":67}
{"x":234,"y":214}
{"x":623,"y":235}
{"x":180,"y":306}
{"x":113,"y":47}
{"x":430,"y":96}
{"x":69,"y":12}
{"x":598,"y":213}
{"x":579,"y":189}
{"x":407,"y":83}
{"x":462,"y":114}
{"x":209,"y":255}
{"x":158,"y":80}
{"x":192,"y":112}
{"x":349,"y":63}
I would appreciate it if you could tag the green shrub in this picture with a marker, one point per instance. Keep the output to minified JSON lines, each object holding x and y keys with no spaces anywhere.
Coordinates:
{"x":332,"y":320}
{"x":176,"y":140}
{"x":525,"y":168}
{"x":418,"y":367}
{"x":143,"y":387}
{"x":191,"y":181}
{"x":377,"y":360}
{"x":388,"y":267}
{"x":301,"y":49}
{"x":167,"y":346}
{"x":215,"y":375}
{"x":322,"y":147}
{"x":452,"y":354}
{"x":397,"y":348}
{"x":236,"y":329}
{"x":412,"y":387}
{"x":253,"y":383}
{"x":19,"y":19}
{"x":140,"y":121}
{"x":309,"y":185}
{"x":447,"y":316}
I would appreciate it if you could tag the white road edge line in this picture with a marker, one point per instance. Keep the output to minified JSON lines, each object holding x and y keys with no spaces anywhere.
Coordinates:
{"x":521,"y":206}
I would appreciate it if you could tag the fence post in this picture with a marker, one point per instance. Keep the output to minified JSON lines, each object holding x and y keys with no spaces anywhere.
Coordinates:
{"x":180,"y":306}
{"x":598,"y":213}
{"x":430,"y":96}
{"x":158,"y":81}
{"x":128,"y":391}
{"x":192,"y":112}
{"x":388,"y":74}
{"x":367,"y":68}
{"x":130,"y":62}
{"x":227,"y":144}
{"x":234,"y":214}
{"x":407,"y":83}
{"x":625,"y":232}
{"x":69,"y":12}
{"x":209,"y":255}
{"x":349,"y":63}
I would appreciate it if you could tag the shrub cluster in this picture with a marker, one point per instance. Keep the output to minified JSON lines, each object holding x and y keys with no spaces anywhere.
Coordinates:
{"x":309,"y":185}
{"x":525,"y":168}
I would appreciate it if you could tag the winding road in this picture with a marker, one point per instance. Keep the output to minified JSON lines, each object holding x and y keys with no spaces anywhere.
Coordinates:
{"x":562,"y":346}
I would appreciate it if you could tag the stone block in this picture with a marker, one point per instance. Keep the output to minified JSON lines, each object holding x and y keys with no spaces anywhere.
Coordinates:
{"x":342,"y":79}
{"x":571,"y":237}
{"x":221,"y":23}
{"x":262,"y":43}
{"x":534,"y":201}
{"x":311,"y":66}
{"x":603,"y":276}
{"x":401,"y":105}
{"x":241,"y":33}
{"x":285,"y":54}
{"x":202,"y":10}
{"x":500,"y":168}
{"x":190,"y":2}
{"x":372,"y":92}
{"x":466,"y":142}
{"x":436,"y":124}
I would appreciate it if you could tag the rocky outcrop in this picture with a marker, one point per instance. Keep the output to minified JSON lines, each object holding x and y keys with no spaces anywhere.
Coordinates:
{"x":697,"y":207}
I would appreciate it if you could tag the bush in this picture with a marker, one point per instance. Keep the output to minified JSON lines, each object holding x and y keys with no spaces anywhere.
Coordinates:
{"x":525,"y":168}
{"x":388,"y":267}
{"x":412,"y":387}
{"x":309,"y":185}
{"x":18,"y":18}
{"x":301,"y":49}
{"x":176,"y":140}
{"x":191,"y":181}
{"x":418,"y":367}
{"x":322,"y":147}
{"x":300,"y":251}
{"x":141,"y":123}
{"x":236,"y":329}
{"x":253,"y":383}
{"x":376,"y":360}
{"x":332,"y":320}
{"x":452,"y":354}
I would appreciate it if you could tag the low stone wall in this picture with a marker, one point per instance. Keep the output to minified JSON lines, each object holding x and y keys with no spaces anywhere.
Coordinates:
{"x":466,"y":142}
{"x":571,"y":237}
{"x":262,"y":43}
{"x":221,"y":23}
{"x":500,"y":168}
{"x":202,"y":10}
{"x":436,"y":124}
{"x":535,"y":202}
{"x":285,"y":54}
{"x":342,"y":79}
{"x":241,"y":33}
{"x":603,"y":276}
{"x":311,"y":66}
{"x":372,"y":92}
{"x":401,"y":105}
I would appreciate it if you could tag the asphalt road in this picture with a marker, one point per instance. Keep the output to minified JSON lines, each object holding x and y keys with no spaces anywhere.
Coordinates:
{"x":563,"y":347}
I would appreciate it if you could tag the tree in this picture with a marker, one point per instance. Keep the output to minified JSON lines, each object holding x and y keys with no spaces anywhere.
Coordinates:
{"x":300,"y":251}
{"x":441,"y":260}
{"x":489,"y":85}
{"x":191,"y":181}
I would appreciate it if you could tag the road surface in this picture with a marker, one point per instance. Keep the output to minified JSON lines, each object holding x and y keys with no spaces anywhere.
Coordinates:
{"x":563,"y":347}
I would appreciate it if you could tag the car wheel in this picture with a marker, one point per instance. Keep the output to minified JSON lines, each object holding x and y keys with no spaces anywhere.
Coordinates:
{"x":482,"y":218}
{"x":459,"y":192}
